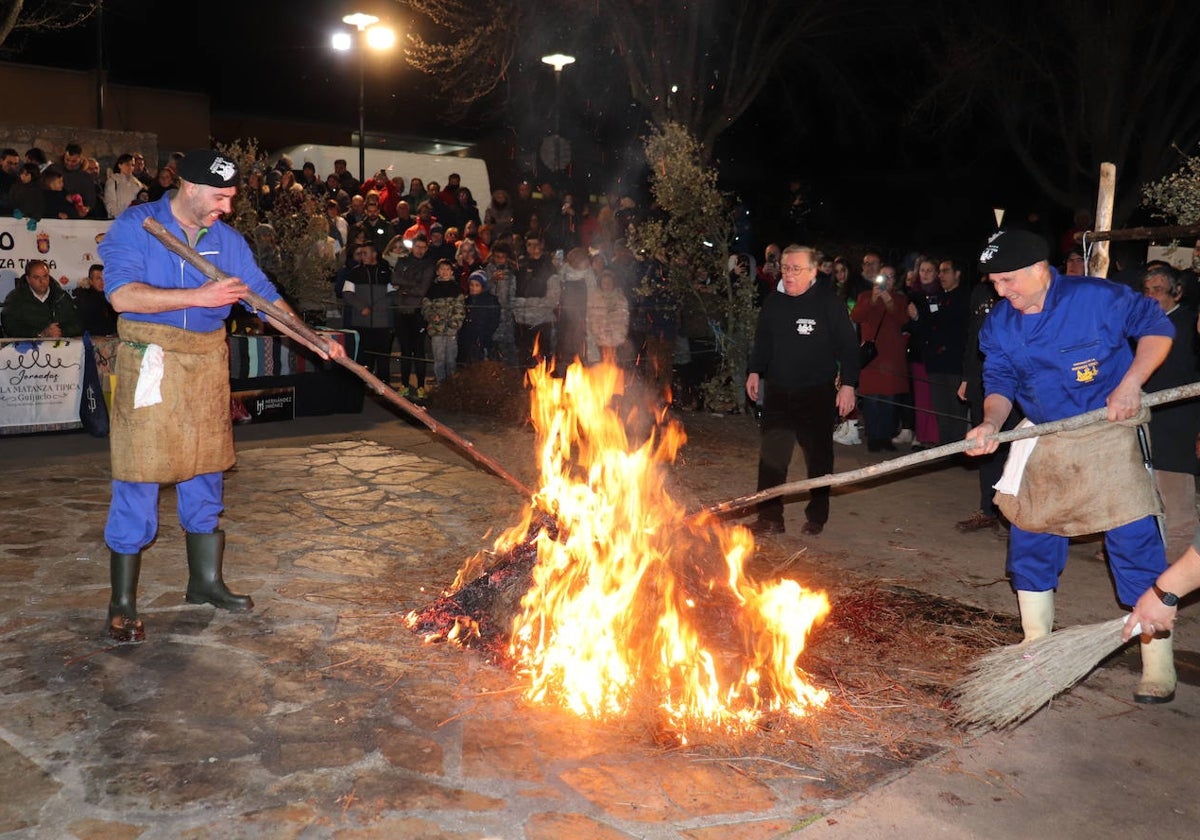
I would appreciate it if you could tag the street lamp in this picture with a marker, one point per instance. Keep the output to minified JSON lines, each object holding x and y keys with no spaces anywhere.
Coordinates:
{"x":558,"y":61}
{"x":370,"y":36}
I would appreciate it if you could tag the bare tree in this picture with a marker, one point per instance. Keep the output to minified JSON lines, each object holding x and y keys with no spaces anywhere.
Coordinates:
{"x":18,"y":16}
{"x":467,"y":47}
{"x":1070,"y":84}
{"x":697,"y":64}
{"x":702,"y":64}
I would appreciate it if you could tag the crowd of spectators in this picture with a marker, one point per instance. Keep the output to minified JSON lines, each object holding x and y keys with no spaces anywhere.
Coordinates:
{"x":73,"y":186}
{"x":538,"y":255}
{"x":532,"y":275}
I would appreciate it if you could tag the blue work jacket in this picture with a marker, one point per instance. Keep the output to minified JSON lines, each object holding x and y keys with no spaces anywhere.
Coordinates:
{"x":132,"y":255}
{"x":1067,"y":359}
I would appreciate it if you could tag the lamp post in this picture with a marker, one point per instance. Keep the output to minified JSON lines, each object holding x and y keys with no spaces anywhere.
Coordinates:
{"x":558,"y":61}
{"x":373,"y":36}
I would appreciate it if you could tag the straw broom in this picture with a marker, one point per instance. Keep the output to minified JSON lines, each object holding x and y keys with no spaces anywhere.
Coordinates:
{"x":1005,"y":687}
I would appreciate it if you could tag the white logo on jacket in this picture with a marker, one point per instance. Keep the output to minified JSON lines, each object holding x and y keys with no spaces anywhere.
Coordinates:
{"x":805,"y":326}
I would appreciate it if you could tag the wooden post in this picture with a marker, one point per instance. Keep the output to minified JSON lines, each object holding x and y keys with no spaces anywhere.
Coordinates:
{"x":1098,"y":265}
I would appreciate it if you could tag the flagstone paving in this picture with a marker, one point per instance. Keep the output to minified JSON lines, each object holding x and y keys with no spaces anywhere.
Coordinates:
{"x":318,"y":714}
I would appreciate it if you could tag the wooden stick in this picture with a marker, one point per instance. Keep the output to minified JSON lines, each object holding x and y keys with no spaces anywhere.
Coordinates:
{"x":302,"y":333}
{"x":1140,"y":233}
{"x":1098,"y":265}
{"x":1078,"y":421}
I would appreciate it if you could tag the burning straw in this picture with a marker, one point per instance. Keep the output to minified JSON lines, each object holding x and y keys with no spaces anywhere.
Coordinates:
{"x":1008,"y":685}
{"x":628,"y":598}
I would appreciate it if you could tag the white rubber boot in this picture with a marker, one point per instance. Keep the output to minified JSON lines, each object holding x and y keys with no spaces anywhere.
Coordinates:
{"x":1037,"y":613}
{"x":1158,"y":672}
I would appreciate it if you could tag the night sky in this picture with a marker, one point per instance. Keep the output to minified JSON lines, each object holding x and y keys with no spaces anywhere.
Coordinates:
{"x":877,"y":183}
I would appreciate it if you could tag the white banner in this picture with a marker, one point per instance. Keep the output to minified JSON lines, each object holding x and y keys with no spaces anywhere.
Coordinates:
{"x":69,"y":247}
{"x":40,"y":385}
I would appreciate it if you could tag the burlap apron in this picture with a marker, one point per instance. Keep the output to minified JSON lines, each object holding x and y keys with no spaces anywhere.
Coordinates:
{"x":189,"y":433}
{"x":1084,"y":482}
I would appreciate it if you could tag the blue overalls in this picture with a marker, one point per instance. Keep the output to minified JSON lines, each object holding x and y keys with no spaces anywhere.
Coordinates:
{"x":1063,"y":361}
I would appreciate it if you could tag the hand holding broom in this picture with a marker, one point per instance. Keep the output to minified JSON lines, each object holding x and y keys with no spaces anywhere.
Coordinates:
{"x":1005,"y":687}
{"x":1156,"y":609}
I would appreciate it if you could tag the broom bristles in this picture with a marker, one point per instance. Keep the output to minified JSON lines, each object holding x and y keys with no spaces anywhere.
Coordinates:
{"x":1005,"y":687}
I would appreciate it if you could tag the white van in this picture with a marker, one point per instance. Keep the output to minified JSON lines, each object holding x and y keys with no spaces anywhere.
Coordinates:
{"x":408,"y":165}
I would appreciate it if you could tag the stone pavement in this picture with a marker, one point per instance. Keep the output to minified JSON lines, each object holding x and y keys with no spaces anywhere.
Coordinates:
{"x":319,"y":715}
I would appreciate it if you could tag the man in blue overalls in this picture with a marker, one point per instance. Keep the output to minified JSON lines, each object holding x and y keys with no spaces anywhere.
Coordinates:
{"x":1061,"y":346}
{"x":170,"y":421}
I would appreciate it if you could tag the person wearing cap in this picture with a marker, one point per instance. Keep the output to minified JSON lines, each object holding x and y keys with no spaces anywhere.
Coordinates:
{"x":439,"y":248}
{"x":1060,"y":346}
{"x":170,"y":420}
{"x":480,"y":321}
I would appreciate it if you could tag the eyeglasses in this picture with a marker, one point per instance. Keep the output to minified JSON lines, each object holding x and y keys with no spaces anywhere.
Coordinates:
{"x":794,"y":269}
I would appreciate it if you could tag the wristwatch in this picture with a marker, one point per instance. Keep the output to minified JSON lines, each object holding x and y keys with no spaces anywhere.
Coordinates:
{"x":1169,"y":599}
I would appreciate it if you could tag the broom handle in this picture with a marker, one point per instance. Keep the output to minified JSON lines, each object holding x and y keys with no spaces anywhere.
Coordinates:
{"x":299,"y":331}
{"x":1078,"y":421}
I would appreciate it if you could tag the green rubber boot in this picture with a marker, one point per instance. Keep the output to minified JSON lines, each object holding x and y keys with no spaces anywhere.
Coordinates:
{"x":123,"y":622}
{"x":206,"y":555}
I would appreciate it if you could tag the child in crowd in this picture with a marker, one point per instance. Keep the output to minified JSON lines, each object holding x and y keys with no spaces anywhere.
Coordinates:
{"x":57,"y":205}
{"x":482,"y":319}
{"x":577,"y":280}
{"x":444,"y":310}
{"x":608,"y":318}
{"x":26,"y":194}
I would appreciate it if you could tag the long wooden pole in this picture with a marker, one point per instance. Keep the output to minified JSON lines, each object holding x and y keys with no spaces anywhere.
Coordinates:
{"x":301,"y":332}
{"x":904,"y":462}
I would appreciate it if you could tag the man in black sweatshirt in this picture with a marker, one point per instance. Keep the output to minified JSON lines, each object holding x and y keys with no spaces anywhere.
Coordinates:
{"x":806,"y":350}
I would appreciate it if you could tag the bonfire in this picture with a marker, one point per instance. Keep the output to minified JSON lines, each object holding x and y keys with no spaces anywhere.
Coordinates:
{"x":609,"y":600}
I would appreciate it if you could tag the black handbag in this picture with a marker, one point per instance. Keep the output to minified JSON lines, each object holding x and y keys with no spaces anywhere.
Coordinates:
{"x":868,"y":351}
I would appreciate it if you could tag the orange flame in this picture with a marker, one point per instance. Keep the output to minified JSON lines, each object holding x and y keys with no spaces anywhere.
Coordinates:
{"x":631,"y":601}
